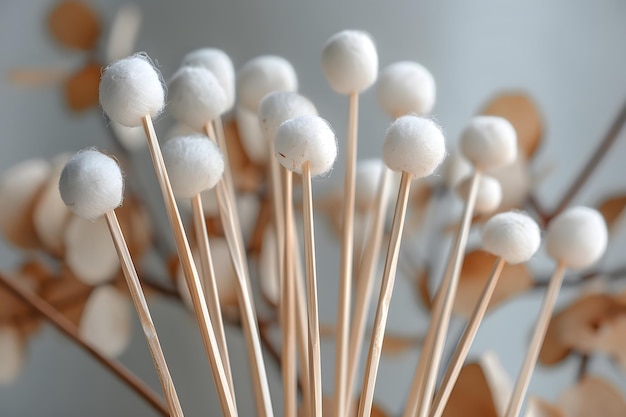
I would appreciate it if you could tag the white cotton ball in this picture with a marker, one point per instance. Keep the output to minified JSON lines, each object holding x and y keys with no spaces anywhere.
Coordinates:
{"x":306,"y":138}
{"x":406,"y":87}
{"x":455,"y":169}
{"x":577,"y":237}
{"x":350,"y":61}
{"x":251,"y":135}
{"x":489,"y":194}
{"x":196,"y":97}
{"x":91,"y":184}
{"x":220,"y":64}
{"x":513,"y":236}
{"x":130,"y":89}
{"x":415,"y":145}
{"x":489,"y":142}
{"x":280,"y":106}
{"x":368,"y":176}
{"x":194,"y":164}
{"x":261,"y":76}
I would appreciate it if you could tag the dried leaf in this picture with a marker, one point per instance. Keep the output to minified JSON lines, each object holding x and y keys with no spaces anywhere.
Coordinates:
{"x":539,"y":408}
{"x":135,"y":223}
{"x":592,"y":396}
{"x":476,"y":270}
{"x":576,"y":327}
{"x":106,"y":320}
{"x":471,"y":396}
{"x":20,"y":186}
{"x":12,"y":354}
{"x":612,"y":208}
{"x":74,"y":25}
{"x":523,"y":114}
{"x":394,"y":344}
{"x":81,"y":88}
{"x":67,"y":294}
{"x":247,"y":175}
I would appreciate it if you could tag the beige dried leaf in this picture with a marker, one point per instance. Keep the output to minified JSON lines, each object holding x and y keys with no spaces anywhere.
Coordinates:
{"x":471,"y":396}
{"x":12,"y":354}
{"x":81,"y":88}
{"x":20,"y":186}
{"x":538,"y":407}
{"x":74,"y":24}
{"x":477,"y":267}
{"x":106,"y":320}
{"x":67,"y":294}
{"x":247,"y":175}
{"x":612,"y":209}
{"x":592,"y":396}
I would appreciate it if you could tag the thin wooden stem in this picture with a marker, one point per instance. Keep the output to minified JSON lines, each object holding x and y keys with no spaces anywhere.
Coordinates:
{"x":191,"y":274}
{"x":65,"y":326}
{"x":220,"y":137}
{"x":236,"y":248}
{"x":426,"y":372}
{"x":541,"y":327}
{"x":210,"y":285}
{"x":347,"y":249}
{"x":365,"y":284}
{"x":136,"y":293}
{"x":384,"y":299}
{"x":287,"y":305}
{"x":463,"y":347}
{"x":315,"y":364}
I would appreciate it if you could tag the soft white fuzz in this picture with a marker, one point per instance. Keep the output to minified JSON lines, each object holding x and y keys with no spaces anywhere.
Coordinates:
{"x":415,"y":145}
{"x":489,"y":142}
{"x":194,"y":164}
{"x":251,"y":135}
{"x":91,"y":184}
{"x":261,"y":76}
{"x":220,"y":64}
{"x":406,"y":87}
{"x":511,"y":235}
{"x":577,"y":237}
{"x":130,"y":89}
{"x":455,"y":169}
{"x":350,"y":61}
{"x":489,"y":194}
{"x":306,"y":138}
{"x":368,"y":174}
{"x":196,"y":97}
{"x":280,"y":106}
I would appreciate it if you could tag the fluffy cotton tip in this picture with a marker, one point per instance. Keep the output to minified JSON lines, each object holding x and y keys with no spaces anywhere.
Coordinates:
{"x":489,"y":142}
{"x":91,"y":184}
{"x":368,"y":176}
{"x":306,"y":138}
{"x":415,"y":145}
{"x":251,"y":135}
{"x":577,"y":237}
{"x":220,"y":64}
{"x":455,"y":169}
{"x":195,"y":97}
{"x":280,"y":106}
{"x":406,"y":88}
{"x":261,"y":76}
{"x":489,"y":194}
{"x":130,"y":89}
{"x":513,"y":236}
{"x":194,"y":164}
{"x":350,"y":61}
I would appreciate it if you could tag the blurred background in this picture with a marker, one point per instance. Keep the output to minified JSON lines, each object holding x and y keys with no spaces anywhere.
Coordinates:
{"x":565,"y":55}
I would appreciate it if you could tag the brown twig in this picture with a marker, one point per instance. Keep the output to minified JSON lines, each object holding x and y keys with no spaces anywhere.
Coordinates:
{"x":609,"y":139}
{"x":67,"y":328}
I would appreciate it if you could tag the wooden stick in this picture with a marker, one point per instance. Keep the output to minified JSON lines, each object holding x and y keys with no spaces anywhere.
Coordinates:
{"x":365,"y":284}
{"x":315,"y":364}
{"x":65,"y":326}
{"x":234,"y":240}
{"x":136,"y":293}
{"x":217,"y":128}
{"x":426,"y":372}
{"x":287,"y":305}
{"x":523,"y":380}
{"x":384,"y":299}
{"x":463,"y":348}
{"x":347,"y":243}
{"x":211,"y":292}
{"x":191,"y":275}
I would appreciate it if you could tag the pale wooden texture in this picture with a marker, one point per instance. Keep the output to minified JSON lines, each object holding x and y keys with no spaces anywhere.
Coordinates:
{"x":365,"y":284}
{"x":463,"y":347}
{"x":234,"y":239}
{"x":426,"y":372}
{"x":315,"y":360}
{"x":347,"y":249}
{"x":210,"y":285}
{"x":191,"y":274}
{"x":136,"y":293}
{"x":523,"y":381}
{"x":384,"y":299}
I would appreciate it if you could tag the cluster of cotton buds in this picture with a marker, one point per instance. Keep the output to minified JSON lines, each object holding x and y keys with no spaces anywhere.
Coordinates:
{"x":200,"y":93}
